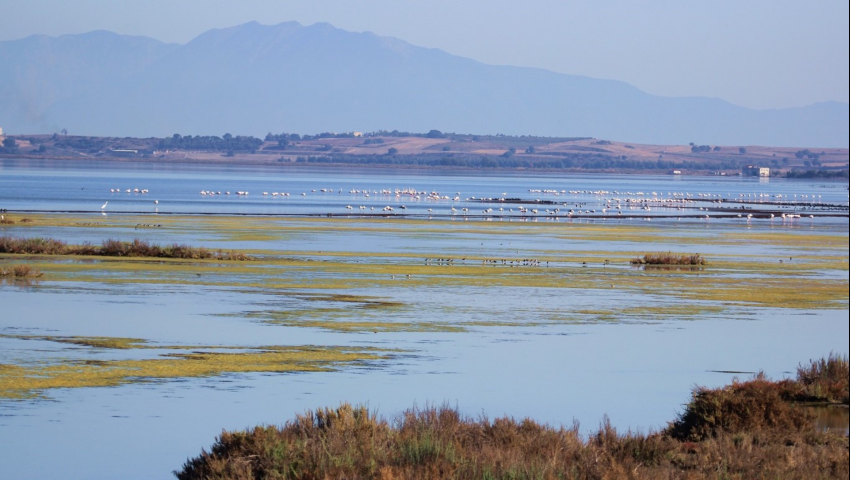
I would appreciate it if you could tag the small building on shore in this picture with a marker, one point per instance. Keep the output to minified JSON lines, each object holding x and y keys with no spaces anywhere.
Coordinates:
{"x":756,"y":171}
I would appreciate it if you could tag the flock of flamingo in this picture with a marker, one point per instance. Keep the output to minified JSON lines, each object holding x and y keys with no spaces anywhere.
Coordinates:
{"x":610,"y":203}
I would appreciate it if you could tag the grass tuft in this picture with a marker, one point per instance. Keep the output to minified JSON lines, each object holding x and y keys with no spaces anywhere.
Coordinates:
{"x":20,"y":271}
{"x":669,"y":259}
{"x":114,"y":248}
{"x":825,"y":380}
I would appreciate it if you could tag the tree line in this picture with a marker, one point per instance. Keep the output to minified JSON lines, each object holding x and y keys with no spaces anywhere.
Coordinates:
{"x":588,"y":161}
{"x":225,"y":143}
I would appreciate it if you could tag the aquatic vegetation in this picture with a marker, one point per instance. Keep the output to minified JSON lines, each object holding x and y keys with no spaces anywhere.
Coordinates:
{"x":20,"y":271}
{"x":747,"y":429}
{"x":670,"y":258}
{"x":32,"y":380}
{"x":112,"y":248}
{"x":825,"y":380}
{"x":811,"y":280}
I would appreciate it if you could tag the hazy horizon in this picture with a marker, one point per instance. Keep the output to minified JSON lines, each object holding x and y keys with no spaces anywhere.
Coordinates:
{"x":760,"y":55}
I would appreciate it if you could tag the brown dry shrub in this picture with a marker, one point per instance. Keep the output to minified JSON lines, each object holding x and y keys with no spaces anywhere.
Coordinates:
{"x":741,"y":407}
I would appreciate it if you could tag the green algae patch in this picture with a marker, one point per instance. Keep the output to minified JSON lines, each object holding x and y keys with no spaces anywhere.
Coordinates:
{"x":788,"y":292}
{"x":358,"y":314}
{"x":116,"y":343}
{"x":641,"y":313}
{"x":32,"y":380}
{"x":366,"y":326}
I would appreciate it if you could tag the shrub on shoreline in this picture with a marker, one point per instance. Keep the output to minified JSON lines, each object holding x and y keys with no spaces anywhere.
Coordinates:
{"x":745,"y":430}
{"x":114,"y":248}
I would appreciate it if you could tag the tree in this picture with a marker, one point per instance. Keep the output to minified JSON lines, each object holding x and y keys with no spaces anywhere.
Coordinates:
{"x":742,"y":150}
{"x":435,"y":134}
{"x":392,"y":151}
{"x":64,"y":131}
{"x":9,"y":143}
{"x":530,"y":149}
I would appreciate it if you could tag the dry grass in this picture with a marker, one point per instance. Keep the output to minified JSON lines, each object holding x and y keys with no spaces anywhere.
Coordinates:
{"x":825,"y":380}
{"x":20,"y":271}
{"x":670,"y":259}
{"x":113,"y":248}
{"x":746,"y":430}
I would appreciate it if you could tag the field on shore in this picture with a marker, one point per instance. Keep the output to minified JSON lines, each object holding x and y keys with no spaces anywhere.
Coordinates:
{"x":449,"y":150}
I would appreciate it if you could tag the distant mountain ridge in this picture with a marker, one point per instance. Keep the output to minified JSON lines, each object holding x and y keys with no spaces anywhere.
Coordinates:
{"x":253,"y":79}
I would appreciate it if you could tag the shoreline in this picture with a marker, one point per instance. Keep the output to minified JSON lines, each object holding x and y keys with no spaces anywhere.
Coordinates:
{"x":258,"y":160}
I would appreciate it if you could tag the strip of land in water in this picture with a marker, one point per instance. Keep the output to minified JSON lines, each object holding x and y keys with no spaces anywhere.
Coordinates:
{"x":437,"y":150}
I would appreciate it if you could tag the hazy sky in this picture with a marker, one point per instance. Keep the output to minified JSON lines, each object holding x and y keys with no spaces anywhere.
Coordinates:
{"x":756,"y":53}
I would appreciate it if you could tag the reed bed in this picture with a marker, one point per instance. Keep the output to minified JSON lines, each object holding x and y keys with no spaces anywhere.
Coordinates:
{"x":825,"y":380}
{"x":745,"y":430}
{"x":20,"y":271}
{"x":670,"y":258}
{"x":114,"y":248}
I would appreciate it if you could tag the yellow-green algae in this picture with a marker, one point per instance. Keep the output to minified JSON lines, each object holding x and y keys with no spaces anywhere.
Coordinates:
{"x":247,"y":228}
{"x":31,"y":380}
{"x":754,"y":280}
{"x":758,"y":280}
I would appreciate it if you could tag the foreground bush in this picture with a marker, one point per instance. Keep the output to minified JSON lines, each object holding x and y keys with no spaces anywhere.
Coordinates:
{"x":742,"y":431}
{"x":113,"y":248}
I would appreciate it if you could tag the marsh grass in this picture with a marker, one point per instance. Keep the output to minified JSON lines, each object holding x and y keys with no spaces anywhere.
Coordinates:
{"x":732,"y":280}
{"x":20,"y":271}
{"x":113,"y":248}
{"x":670,"y":258}
{"x":746,"y":430}
{"x":825,"y":380}
{"x":752,"y":283}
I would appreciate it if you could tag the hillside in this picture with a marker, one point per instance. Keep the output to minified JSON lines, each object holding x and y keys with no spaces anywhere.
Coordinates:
{"x":252,"y":78}
{"x":434,"y":150}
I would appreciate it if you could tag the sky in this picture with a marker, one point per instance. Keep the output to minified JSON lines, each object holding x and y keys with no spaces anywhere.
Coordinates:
{"x":756,"y":53}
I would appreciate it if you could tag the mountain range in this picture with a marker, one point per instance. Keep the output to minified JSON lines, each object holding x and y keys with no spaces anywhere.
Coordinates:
{"x":252,"y":79}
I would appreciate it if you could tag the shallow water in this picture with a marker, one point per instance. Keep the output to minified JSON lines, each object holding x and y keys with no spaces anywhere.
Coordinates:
{"x":555,"y":343}
{"x":65,"y":185}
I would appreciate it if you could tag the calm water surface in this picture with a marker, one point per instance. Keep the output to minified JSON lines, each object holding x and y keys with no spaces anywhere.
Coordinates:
{"x":637,"y":371}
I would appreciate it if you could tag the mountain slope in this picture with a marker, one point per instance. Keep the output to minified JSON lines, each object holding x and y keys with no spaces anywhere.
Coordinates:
{"x":251,"y":79}
{"x":39,"y":71}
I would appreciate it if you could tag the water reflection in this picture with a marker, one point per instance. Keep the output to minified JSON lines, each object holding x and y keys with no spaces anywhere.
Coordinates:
{"x":832,"y":417}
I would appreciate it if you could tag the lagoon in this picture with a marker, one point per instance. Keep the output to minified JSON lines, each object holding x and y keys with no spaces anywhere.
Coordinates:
{"x":567,"y":337}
